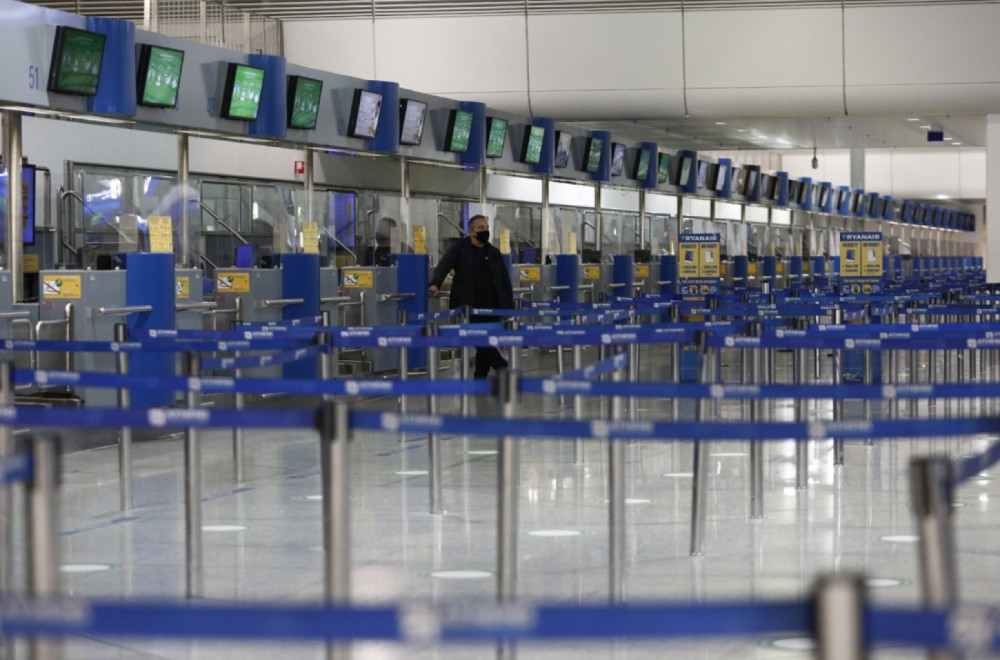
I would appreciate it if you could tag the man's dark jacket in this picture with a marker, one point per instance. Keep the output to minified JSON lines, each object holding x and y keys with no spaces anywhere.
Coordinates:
{"x":461,"y":258}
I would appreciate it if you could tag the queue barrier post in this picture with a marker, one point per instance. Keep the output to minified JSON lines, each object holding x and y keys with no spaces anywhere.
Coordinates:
{"x":931,"y":491}
{"x":507,"y":397}
{"x":840,"y":617}
{"x":125,"y":432}
{"x":334,"y":435}
{"x":760,"y":361}
{"x":466,"y":368}
{"x":578,"y":446}
{"x":838,"y":404}
{"x":42,"y":534}
{"x":192,"y":491}
{"x":239,"y":403}
{"x":801,"y":415}
{"x":434,"y":439}
{"x":699,"y":486}
{"x":616,"y":503}
{"x":328,"y":358}
{"x":6,"y":501}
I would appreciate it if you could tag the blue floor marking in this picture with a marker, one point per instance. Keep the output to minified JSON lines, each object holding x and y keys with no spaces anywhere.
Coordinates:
{"x":226,"y":493}
{"x":98,"y":525}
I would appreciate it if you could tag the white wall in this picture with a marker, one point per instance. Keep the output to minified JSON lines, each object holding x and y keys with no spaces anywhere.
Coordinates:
{"x":802,"y":61}
{"x":956,"y":173}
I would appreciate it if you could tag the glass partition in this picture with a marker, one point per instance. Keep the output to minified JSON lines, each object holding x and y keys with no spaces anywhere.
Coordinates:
{"x":523,"y":221}
{"x":661,"y":233}
{"x":381,"y":229}
{"x":567,"y":231}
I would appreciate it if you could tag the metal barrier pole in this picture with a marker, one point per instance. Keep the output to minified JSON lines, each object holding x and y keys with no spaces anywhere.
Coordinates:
{"x":633,"y":377}
{"x":840,"y":618}
{"x":6,"y":501}
{"x":616,"y":503}
{"x":334,"y":434}
{"x":433,"y":439}
{"x":507,"y":467}
{"x":869,"y":380}
{"x":239,"y":402}
{"x":192,"y":491}
{"x":125,"y":432}
{"x":761,"y":364}
{"x":801,"y":415}
{"x":466,"y":358}
{"x":931,"y":491}
{"x":699,"y":486}
{"x":42,"y":534}
{"x":578,"y":446}
{"x":675,"y":364}
{"x":838,"y":404}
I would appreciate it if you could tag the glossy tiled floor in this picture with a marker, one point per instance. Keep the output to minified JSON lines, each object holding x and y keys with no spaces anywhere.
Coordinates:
{"x":846,"y":520}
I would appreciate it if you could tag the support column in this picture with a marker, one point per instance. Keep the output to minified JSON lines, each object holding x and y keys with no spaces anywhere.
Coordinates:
{"x":183,"y":181}
{"x":992,"y":260}
{"x":14,"y":202}
{"x":857,"y":169}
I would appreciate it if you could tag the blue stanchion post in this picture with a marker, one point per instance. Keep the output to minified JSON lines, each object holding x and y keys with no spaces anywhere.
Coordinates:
{"x":413,"y":275}
{"x":300,"y":279}
{"x":795,"y":273}
{"x":568,"y":275}
{"x":622,"y":274}
{"x":668,"y":275}
{"x":741,"y":272}
{"x":769,"y":269}
{"x":149,"y":280}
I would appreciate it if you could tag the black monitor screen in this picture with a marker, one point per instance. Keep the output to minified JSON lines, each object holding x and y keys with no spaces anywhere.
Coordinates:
{"x":751,"y":182}
{"x":365,"y":111}
{"x":564,"y":145}
{"x":531,"y":152}
{"x":158,"y":75}
{"x":793,"y":190}
{"x":805,"y":189}
{"x":857,"y":202}
{"x":303,"y":101}
{"x":592,"y":157}
{"x":496,"y":136}
{"x":703,"y":167}
{"x":684,"y":174}
{"x":76,"y":61}
{"x":641,"y":169}
{"x":411,"y":121}
{"x":459,"y":130}
{"x":241,"y":94}
{"x":720,"y":177}
{"x":617,"y":158}
{"x":663,"y":171}
{"x":824,"y":196}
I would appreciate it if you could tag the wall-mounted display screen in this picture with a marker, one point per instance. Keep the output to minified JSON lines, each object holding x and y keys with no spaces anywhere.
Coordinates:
{"x":857,"y":202}
{"x":824,"y":196}
{"x":564,"y":145}
{"x":459,"y":129}
{"x":76,"y":61}
{"x":303,"y":101}
{"x":592,"y":155}
{"x":617,"y":158}
{"x":663,"y":170}
{"x":805,"y":190}
{"x":720,"y":177}
{"x":412,"y":114}
{"x":872,"y":205}
{"x":793,"y":190}
{"x":641,"y":168}
{"x":27,"y":203}
{"x":702,"y":174}
{"x":776,"y":189}
{"x":750,"y":185}
{"x":531,"y":151}
{"x":365,"y":111}
{"x":241,"y":94}
{"x":158,"y":75}
{"x":496,"y":136}
{"x":684,"y":172}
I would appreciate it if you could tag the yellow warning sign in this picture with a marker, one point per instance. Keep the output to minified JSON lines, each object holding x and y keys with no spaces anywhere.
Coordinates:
{"x":161,"y":236}
{"x":572,"y":243}
{"x":61,"y":286}
{"x":182,"y":288}
{"x":310,"y":238}
{"x":357,"y":279}
{"x":641,"y":271}
{"x":504,"y":241}
{"x":530,"y":273}
{"x":30,"y":263}
{"x":591,"y":272}
{"x":419,"y":239}
{"x":232,"y":282}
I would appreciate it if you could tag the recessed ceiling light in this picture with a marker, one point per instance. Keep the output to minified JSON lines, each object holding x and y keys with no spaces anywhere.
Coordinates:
{"x":941,"y":197}
{"x":913,"y":119}
{"x":956,"y":144}
{"x":926,"y":127}
{"x":948,"y":139}
{"x":742,"y":130}
{"x":720,"y":123}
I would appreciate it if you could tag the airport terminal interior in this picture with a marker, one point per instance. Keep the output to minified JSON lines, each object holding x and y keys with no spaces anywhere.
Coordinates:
{"x":751,"y":400}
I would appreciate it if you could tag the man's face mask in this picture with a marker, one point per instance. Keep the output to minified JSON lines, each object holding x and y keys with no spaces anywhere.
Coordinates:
{"x":483,"y":236}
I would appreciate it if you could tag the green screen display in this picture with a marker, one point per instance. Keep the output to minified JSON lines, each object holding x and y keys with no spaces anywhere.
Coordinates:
{"x":461,"y":128}
{"x":76,"y":61}
{"x":303,"y":101}
{"x":642,"y":168}
{"x":533,"y":145}
{"x":242,"y":98}
{"x":594,"y":154}
{"x":497,"y":138}
{"x":663,"y":172}
{"x":159,"y":75}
